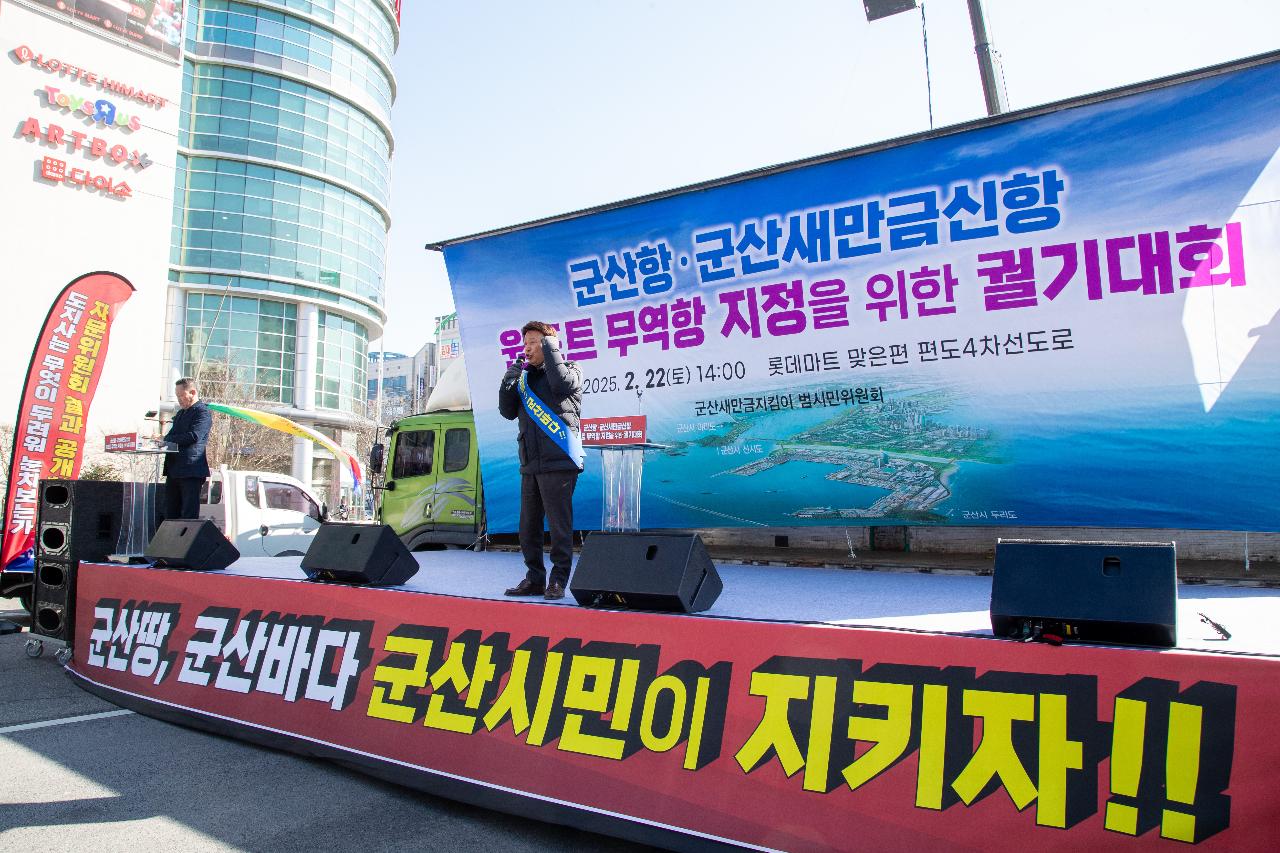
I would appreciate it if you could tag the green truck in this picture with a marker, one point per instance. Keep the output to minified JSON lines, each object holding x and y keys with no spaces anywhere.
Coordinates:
{"x":432,"y":493}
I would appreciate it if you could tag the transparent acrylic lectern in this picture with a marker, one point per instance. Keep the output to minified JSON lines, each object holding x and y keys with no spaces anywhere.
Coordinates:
{"x":138,"y":517}
{"x":623,"y":466}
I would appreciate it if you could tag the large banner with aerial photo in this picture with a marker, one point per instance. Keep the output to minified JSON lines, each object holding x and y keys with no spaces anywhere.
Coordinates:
{"x":1062,"y":318}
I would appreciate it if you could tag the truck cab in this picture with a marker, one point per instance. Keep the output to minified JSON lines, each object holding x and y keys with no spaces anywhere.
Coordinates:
{"x":432,"y":492}
{"x":263,"y":513}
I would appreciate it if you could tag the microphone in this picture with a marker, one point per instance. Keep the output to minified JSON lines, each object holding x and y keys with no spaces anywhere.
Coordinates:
{"x":509,"y":381}
{"x":1223,"y":633}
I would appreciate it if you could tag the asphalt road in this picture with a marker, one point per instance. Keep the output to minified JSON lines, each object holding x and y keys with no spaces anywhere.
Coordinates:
{"x":77,"y":773}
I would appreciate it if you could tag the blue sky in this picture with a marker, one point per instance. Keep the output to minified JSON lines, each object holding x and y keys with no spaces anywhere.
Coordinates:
{"x":508,"y":111}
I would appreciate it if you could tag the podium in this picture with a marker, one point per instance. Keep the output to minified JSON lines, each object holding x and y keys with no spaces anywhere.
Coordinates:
{"x":623,"y":468}
{"x":145,"y":460}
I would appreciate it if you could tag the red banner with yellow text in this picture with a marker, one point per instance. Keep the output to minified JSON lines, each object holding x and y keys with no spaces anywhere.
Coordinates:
{"x":49,"y":434}
{"x":693,"y":731}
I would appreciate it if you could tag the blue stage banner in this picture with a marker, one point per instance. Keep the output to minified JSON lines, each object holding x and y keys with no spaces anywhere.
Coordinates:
{"x":1064,"y":317}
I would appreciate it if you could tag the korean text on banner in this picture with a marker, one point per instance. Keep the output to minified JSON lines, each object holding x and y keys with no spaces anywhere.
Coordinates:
{"x":49,"y":435}
{"x":1063,"y":317}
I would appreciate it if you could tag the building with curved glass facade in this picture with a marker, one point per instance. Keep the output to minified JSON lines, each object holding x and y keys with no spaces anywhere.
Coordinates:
{"x":281,"y":206}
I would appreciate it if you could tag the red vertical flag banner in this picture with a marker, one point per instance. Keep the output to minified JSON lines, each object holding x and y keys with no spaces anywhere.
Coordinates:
{"x":49,"y":435}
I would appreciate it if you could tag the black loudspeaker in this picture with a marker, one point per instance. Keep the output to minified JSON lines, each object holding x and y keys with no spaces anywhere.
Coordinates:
{"x":76,"y":521}
{"x":646,"y":571}
{"x":1103,"y":592}
{"x":184,"y":543}
{"x":362,"y":554}
{"x":79,"y":520}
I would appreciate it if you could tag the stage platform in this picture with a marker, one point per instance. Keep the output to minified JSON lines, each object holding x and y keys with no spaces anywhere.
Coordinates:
{"x":950,"y":604}
{"x":808,"y":709}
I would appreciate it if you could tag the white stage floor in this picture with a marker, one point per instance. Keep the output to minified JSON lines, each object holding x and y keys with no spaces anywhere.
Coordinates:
{"x":955,"y":604}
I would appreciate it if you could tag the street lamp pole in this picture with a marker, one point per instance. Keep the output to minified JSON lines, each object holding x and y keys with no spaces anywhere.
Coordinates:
{"x":986,"y":68}
{"x":877,"y":9}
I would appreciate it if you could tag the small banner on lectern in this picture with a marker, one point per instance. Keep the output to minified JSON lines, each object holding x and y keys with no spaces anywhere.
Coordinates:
{"x":626,"y":429}
{"x":49,"y":435}
{"x":125,"y":442}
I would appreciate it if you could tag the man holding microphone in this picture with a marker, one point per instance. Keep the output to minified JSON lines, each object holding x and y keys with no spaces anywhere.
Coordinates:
{"x":544,"y":392}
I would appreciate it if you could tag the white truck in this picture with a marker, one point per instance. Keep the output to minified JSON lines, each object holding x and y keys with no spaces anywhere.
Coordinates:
{"x":263,"y":513}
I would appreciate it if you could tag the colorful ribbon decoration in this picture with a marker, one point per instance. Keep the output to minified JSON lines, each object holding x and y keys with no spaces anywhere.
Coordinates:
{"x":565,"y":439}
{"x":283,"y":424}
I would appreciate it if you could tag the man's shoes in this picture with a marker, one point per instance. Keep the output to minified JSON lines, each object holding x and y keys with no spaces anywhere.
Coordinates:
{"x":554,"y":592}
{"x":528,"y":587}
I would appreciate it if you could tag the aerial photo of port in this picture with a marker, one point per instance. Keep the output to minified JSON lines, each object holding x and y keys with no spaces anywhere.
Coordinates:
{"x":903,"y":447}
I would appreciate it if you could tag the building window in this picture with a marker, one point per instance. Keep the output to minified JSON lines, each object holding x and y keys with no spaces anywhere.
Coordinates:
{"x":241,"y":348}
{"x":248,"y":33}
{"x":249,"y":218}
{"x":342,"y":359}
{"x":222,"y":282}
{"x":308,"y":127}
{"x":392,"y":386}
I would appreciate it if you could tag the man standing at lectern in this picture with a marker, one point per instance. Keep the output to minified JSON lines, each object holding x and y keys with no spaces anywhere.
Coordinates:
{"x":545,"y":392}
{"x":187,"y":469}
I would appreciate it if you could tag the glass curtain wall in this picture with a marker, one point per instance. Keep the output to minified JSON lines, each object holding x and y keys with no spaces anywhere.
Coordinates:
{"x":280,"y":218}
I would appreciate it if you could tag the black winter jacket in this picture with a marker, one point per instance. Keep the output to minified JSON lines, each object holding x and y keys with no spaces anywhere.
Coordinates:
{"x":558,"y":384}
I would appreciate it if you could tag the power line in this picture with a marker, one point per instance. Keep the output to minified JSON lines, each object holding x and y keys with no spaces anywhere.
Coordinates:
{"x":928,"y":78}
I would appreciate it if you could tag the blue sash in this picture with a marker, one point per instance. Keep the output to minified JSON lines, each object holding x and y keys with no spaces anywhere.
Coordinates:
{"x":565,"y":438}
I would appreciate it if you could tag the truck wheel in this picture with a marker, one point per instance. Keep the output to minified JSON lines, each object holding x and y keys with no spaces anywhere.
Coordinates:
{"x":26,"y":596}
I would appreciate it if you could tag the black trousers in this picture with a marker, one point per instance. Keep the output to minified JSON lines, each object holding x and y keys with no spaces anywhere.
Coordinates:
{"x":182,"y":497}
{"x":547,"y":496}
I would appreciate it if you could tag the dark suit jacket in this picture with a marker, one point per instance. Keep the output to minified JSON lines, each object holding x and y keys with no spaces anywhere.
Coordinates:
{"x":190,"y":431}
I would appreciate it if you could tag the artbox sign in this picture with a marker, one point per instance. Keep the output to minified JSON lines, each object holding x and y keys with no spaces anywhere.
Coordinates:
{"x":95,"y":114}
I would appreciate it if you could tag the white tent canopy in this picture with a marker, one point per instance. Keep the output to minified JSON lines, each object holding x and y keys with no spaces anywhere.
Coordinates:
{"x":451,"y":394}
